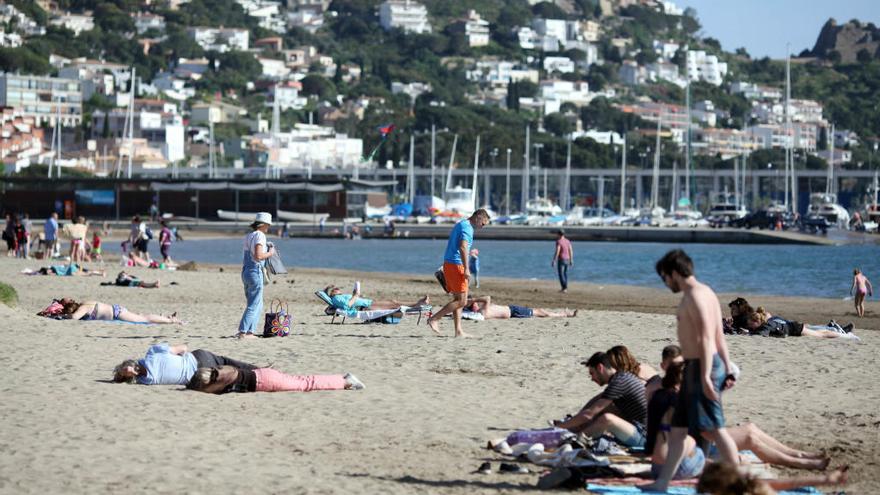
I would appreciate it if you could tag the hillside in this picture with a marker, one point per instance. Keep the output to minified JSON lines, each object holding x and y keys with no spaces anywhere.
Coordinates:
{"x":848,"y":43}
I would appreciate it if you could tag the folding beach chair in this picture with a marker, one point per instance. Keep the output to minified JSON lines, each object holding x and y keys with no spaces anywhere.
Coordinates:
{"x":369,"y":316}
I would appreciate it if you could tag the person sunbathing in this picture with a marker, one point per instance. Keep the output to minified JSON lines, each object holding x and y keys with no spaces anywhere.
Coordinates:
{"x":69,"y":270}
{"x":491,"y":311}
{"x":225,"y":379}
{"x":94,"y":310}
{"x":746,"y":436}
{"x":170,"y":365}
{"x":352,"y":303}
{"x":724,"y":479}
{"x":765,"y":324}
{"x":124,"y":279}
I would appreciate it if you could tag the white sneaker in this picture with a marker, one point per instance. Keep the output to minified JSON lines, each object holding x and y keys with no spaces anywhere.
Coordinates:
{"x":353,"y":382}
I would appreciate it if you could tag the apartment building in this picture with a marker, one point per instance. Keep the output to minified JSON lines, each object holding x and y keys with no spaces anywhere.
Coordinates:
{"x":474,"y":28}
{"x":42,"y":97}
{"x":220,"y":39}
{"x":20,"y":138}
{"x":407,"y":15}
{"x":704,"y":67}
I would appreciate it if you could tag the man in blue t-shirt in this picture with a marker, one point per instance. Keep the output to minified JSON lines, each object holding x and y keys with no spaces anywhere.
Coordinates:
{"x":170,"y":365}
{"x":456,"y":271}
{"x":50,"y":234}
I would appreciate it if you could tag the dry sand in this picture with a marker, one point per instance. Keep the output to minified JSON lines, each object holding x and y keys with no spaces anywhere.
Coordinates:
{"x":430,"y":404}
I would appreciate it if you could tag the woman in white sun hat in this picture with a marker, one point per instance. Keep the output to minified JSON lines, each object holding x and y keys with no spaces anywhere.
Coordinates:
{"x":255,"y":252}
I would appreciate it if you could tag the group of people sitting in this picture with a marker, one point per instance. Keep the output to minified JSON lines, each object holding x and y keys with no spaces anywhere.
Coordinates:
{"x":205,"y":371}
{"x":637,"y":407}
{"x":746,"y":320}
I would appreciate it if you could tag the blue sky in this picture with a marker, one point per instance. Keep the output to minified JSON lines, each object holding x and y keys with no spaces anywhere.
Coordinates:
{"x":763,"y":27}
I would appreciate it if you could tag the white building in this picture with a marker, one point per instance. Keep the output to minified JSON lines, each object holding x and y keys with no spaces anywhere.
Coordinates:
{"x":407,"y":15}
{"x":501,"y":73}
{"x":10,"y":40}
{"x":267,"y":13}
{"x":288,"y":97}
{"x":311,"y":146}
{"x":474,"y":28}
{"x":145,"y":21}
{"x":556,"y":92}
{"x":631,"y":73}
{"x":666,"y":49}
{"x":669,"y":8}
{"x":556,"y":28}
{"x":798,"y":135}
{"x":591,"y":31}
{"x":273,"y":69}
{"x":75,"y":22}
{"x":665,"y":71}
{"x":307,"y":19}
{"x":562,"y":65}
{"x":809,"y":111}
{"x":23,"y":23}
{"x":528,"y":38}
{"x":413,"y":89}
{"x":41,"y":98}
{"x":601,"y":137}
{"x":220,"y":39}
{"x":162,"y":130}
{"x":752,"y":91}
{"x":704,"y":67}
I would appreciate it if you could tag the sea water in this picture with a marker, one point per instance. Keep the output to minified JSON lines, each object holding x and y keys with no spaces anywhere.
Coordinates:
{"x":788,"y":270}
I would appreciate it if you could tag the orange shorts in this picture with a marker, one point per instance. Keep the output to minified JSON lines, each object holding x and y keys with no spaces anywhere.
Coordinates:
{"x":455,"y":280}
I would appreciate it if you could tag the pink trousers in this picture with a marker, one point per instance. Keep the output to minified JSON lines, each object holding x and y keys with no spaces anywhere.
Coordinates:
{"x":270,"y":380}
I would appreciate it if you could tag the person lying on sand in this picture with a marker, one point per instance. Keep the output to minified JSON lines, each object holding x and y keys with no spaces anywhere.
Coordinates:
{"x":94,"y":310}
{"x":746,"y":436}
{"x":124,"y":279}
{"x":224,"y":379}
{"x":69,"y":270}
{"x":352,"y":303}
{"x":170,"y":365}
{"x":724,"y":479}
{"x":763,"y":323}
{"x":491,"y":311}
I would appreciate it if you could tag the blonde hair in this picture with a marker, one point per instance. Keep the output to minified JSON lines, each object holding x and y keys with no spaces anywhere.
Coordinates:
{"x":725,"y":479}
{"x":760,"y":315}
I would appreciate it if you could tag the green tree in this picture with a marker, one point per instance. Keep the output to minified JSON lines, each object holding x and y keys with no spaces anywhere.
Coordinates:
{"x":320,"y":86}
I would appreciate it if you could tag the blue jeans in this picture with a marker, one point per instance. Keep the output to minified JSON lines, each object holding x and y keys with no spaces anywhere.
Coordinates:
{"x":253,"y":291}
{"x":562,"y":270}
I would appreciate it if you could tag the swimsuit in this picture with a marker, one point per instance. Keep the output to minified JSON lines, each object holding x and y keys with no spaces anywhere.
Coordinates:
{"x":117,"y":309}
{"x":693,"y":409}
{"x":93,"y":315}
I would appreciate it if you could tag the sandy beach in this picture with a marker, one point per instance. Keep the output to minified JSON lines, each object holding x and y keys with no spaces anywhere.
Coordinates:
{"x":430,"y":405}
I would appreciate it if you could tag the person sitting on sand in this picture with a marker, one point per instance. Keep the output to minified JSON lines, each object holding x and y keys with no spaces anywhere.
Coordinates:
{"x":94,"y":310}
{"x":738,"y":323}
{"x":746,"y":436}
{"x":224,"y":379}
{"x":128,"y":280}
{"x":623,"y":360}
{"x":764,"y":324}
{"x":625,"y":392}
{"x":170,"y":365}
{"x":670,"y":354}
{"x":727,"y":479}
{"x":352,"y":303}
{"x":69,"y":270}
{"x":491,"y":311}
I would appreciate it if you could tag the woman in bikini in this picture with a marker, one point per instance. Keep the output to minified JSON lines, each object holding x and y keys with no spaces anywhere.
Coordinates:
{"x":226,"y":379}
{"x":763,"y":323}
{"x":94,"y":310}
{"x":862,"y":287}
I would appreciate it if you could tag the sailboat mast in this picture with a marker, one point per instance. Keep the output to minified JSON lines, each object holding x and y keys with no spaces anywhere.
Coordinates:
{"x":566,"y":193}
{"x":410,"y":172}
{"x":655,"y":178}
{"x":451,"y":162}
{"x":829,"y":184}
{"x":622,"y":176}
{"x":131,"y":121}
{"x":433,"y":156}
{"x":672,"y":190}
{"x":476,"y":167}
{"x":789,"y":136}
{"x":525,"y":173}
{"x":687,"y":153}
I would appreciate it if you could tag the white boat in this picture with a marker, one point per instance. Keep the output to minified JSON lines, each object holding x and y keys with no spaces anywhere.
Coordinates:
{"x":825,"y":205}
{"x":540,"y":211}
{"x":241,"y":216}
{"x":296,"y":216}
{"x":376,"y":211}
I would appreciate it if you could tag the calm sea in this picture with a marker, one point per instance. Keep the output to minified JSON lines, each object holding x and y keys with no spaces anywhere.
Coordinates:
{"x":821,"y":271}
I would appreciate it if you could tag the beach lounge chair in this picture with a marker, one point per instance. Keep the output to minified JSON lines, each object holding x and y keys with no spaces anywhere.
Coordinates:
{"x":369,"y":315}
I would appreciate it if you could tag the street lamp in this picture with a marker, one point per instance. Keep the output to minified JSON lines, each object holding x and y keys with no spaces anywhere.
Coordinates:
{"x":507,"y":194}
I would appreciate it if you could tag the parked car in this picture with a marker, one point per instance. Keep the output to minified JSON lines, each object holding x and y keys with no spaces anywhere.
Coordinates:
{"x":763,"y":219}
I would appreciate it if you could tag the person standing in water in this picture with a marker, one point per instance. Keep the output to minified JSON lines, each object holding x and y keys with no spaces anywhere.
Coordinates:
{"x":862,"y":287}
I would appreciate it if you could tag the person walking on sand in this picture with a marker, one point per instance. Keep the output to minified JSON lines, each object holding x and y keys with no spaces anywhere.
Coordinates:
{"x":165,"y":239}
{"x":707,"y":368}
{"x":255,"y":252}
{"x":456,"y":270}
{"x":563,"y":258}
{"x":50,"y":235}
{"x":862,"y":287}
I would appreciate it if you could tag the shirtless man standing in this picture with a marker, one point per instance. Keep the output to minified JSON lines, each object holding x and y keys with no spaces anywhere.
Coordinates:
{"x":490,"y":311}
{"x":707,"y":369}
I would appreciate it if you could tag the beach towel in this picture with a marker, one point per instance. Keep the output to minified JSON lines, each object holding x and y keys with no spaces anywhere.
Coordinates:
{"x":681,"y":487}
